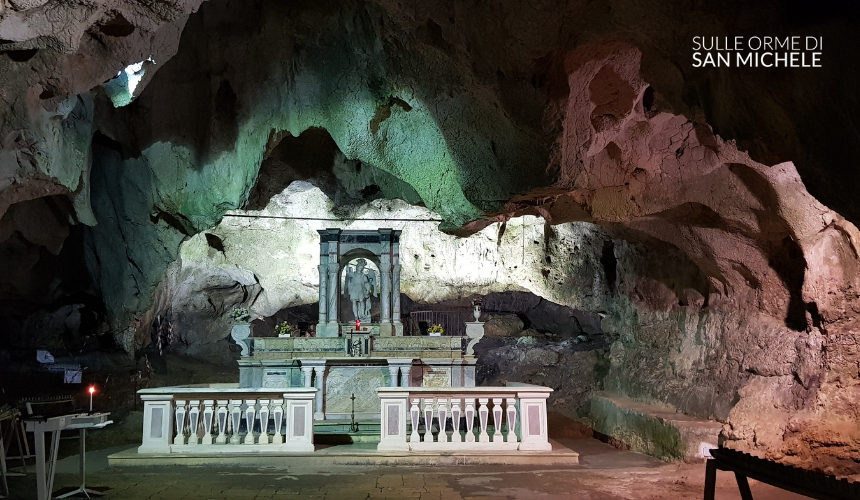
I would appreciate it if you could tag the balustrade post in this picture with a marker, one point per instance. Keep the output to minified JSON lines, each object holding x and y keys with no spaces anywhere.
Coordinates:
{"x":278,"y":414}
{"x":442,"y":412}
{"x":511,"y":407}
{"x":264,"y":422}
{"x":456,"y":413}
{"x":533,"y":429}
{"x":483,"y":417}
{"x":193,"y":421}
{"x":428,"y":420}
{"x":180,"y":422}
{"x":415,"y":414}
{"x":250,"y":409}
{"x":235,"y":419}
{"x":497,"y":420}
{"x":222,"y":421}
{"x":208,"y":414}
{"x":393,"y":418}
{"x":470,"y":419}
{"x":158,"y":416}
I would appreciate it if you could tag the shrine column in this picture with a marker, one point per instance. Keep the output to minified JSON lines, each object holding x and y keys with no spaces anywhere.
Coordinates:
{"x":333,"y":330}
{"x":318,"y":399}
{"x":385,"y":328}
{"x":323,"y":295}
{"x":395,"y":285}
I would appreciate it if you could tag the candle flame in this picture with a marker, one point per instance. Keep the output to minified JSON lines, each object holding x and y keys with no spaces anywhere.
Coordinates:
{"x":92,"y":389}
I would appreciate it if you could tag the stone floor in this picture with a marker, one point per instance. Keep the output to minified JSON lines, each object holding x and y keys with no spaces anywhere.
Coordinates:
{"x":605,"y":473}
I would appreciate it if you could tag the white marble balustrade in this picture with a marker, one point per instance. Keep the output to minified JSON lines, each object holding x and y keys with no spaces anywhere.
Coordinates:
{"x":222,"y":418}
{"x":464,"y":418}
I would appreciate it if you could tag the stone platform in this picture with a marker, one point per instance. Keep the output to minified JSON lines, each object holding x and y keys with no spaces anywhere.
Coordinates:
{"x":657,"y":430}
{"x":352,"y":454}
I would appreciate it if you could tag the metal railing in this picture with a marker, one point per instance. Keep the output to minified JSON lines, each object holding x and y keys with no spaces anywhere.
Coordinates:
{"x":452,"y":322}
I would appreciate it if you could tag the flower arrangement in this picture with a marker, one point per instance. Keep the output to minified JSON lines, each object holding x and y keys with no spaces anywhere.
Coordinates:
{"x":241,"y":315}
{"x":283,"y":329}
{"x":436,"y":329}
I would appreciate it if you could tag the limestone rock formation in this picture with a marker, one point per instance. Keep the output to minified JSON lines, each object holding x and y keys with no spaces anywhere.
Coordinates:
{"x":665,"y":207}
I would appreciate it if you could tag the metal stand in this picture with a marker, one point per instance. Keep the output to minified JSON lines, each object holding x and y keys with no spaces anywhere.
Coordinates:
{"x":83,"y":464}
{"x":45,"y":470}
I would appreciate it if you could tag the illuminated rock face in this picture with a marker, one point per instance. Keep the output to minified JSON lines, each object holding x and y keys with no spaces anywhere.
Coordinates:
{"x":725,"y":287}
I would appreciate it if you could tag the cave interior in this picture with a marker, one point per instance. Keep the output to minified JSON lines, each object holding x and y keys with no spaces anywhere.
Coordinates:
{"x":639,"y":229}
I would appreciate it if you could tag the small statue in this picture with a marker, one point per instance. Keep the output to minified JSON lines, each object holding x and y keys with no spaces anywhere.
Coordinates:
{"x":360,"y":285}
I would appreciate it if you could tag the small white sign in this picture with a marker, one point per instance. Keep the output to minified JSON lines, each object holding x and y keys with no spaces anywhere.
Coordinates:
{"x":44,"y":357}
{"x":72,"y":376}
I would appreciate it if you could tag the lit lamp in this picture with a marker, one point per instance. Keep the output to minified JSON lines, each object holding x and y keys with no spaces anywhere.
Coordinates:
{"x":92,"y":390}
{"x":357,"y":325}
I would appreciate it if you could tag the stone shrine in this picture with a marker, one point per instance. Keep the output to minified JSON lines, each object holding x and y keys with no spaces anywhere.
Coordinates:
{"x":359,"y":345}
{"x":346,"y":278}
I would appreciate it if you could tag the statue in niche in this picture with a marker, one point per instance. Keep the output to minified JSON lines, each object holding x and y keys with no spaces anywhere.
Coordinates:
{"x":360,"y":285}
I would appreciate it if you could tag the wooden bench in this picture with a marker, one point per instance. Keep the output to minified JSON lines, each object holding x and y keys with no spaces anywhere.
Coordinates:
{"x":801,"y":481}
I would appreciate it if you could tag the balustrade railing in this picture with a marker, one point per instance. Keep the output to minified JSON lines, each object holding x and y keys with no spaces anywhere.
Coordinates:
{"x":461,"y":418}
{"x":223,"y":418}
{"x":452,"y":322}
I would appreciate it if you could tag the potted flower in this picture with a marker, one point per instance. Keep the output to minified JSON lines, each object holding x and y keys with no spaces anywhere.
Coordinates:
{"x":435,"y":331}
{"x":284,"y":330}
{"x":241,"y":330}
{"x":241,"y":315}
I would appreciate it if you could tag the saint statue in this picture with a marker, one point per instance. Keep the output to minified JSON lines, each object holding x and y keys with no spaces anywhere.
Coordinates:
{"x":360,"y":285}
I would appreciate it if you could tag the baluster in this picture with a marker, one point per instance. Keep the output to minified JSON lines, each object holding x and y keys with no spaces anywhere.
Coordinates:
{"x":497,"y":420}
{"x":194,"y":421}
{"x":511,"y":407}
{"x":456,"y":413}
{"x":250,"y":409}
{"x":235,"y":418}
{"x":428,"y":420}
{"x":222,"y":422}
{"x":415,"y":414}
{"x":483,"y":417}
{"x":208,"y":413}
{"x":277,"y":410}
{"x":264,"y":422}
{"x":470,"y":419}
{"x":442,"y":412}
{"x":180,"y":422}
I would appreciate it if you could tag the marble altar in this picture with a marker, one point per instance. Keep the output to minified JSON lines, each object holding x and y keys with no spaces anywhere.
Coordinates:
{"x":360,"y":344}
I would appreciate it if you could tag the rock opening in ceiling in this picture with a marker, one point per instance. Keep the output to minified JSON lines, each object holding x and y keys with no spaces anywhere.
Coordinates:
{"x":121,"y":88}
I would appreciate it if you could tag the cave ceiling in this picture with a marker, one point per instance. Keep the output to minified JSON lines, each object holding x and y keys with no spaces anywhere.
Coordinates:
{"x":480,"y":111}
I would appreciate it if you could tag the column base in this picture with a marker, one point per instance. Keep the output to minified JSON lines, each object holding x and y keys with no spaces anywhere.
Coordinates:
{"x":318,"y":415}
{"x":398,"y":329}
{"x":328,"y":330}
{"x":386,"y":330}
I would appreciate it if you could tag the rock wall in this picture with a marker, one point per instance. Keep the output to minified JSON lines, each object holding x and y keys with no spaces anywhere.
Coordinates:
{"x":668,"y":204}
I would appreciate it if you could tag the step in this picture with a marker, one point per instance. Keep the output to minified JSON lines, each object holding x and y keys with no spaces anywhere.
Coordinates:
{"x":653,"y":429}
{"x":351,"y":455}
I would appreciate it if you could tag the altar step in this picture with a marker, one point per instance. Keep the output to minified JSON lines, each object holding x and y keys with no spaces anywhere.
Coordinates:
{"x":338,"y":432}
{"x":352,"y":454}
{"x":656,"y":430}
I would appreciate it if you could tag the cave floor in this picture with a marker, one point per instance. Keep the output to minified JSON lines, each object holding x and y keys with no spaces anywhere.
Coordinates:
{"x":604,"y":473}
